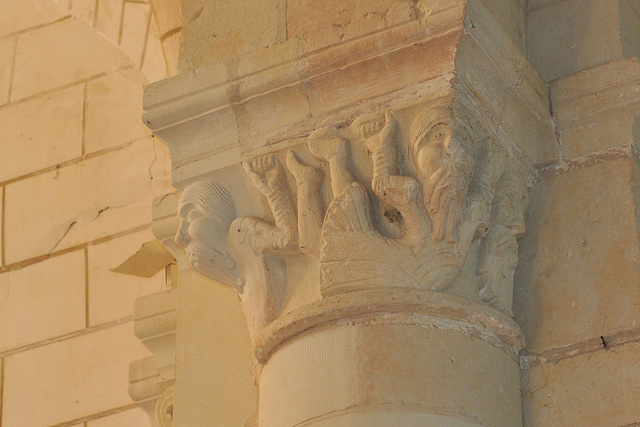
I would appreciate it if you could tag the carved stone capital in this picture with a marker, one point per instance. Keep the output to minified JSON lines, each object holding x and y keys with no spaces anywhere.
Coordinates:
{"x":422,"y":197}
{"x":373,"y":186}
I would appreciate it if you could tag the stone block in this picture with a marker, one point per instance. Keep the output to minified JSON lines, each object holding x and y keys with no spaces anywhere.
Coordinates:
{"x":594,"y":108}
{"x":227,"y":28}
{"x":629,"y":13}
{"x":112,"y":295}
{"x":31,"y":13}
{"x":70,"y":379}
{"x":270,"y":111}
{"x":41,"y":132}
{"x":510,"y":14}
{"x":322,"y":37}
{"x":84,"y":10}
{"x":270,"y":56}
{"x":7,"y":50}
{"x":219,"y":366}
{"x":1,"y":227}
{"x":60,"y":54}
{"x":109,"y":18}
{"x":135,"y":24}
{"x":304,"y":16}
{"x":102,"y":196}
{"x":133,"y":418}
{"x":594,"y":389}
{"x":42,"y":301}
{"x":113,"y":112}
{"x":384,"y":74}
{"x":154,"y":65}
{"x":579,"y":267}
{"x":558,"y":44}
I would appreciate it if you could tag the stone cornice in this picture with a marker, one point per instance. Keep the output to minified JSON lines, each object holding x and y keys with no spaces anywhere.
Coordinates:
{"x":214,"y":117}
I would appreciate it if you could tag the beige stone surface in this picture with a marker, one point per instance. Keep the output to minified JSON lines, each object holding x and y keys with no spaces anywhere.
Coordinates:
{"x":42,"y":301}
{"x":594,"y":109}
{"x":60,"y":54}
{"x":629,"y":12}
{"x":493,"y":68}
{"x":304,"y":16}
{"x":7,"y":50}
{"x":154,"y":65}
{"x":113,"y":112}
{"x":579,"y":261}
{"x":56,"y":138}
{"x":111,"y":295}
{"x":70,"y":379}
{"x":511,"y":16}
{"x":31,"y":13}
{"x":379,"y":367}
{"x":384,"y":74}
{"x":218,"y":366}
{"x":266,"y":113}
{"x":84,"y":10}
{"x":595,"y":389}
{"x":102,"y":196}
{"x":219,"y":29}
{"x":135,"y":23}
{"x":109,"y":18}
{"x":558,"y":43}
{"x":131,"y":418}
{"x":1,"y":228}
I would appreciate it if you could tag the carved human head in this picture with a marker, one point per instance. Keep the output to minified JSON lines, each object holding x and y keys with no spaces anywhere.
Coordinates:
{"x":206,"y":210}
{"x":442,"y":153}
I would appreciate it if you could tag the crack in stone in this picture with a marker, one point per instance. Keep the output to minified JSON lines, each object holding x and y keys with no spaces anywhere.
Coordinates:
{"x":74,"y":222}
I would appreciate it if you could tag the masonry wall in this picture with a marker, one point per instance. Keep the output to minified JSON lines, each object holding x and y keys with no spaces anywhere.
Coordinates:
{"x":79,"y":173}
{"x":577,"y":295}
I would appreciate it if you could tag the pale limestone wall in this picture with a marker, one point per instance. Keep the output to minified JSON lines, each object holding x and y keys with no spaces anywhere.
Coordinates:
{"x":577,"y":297}
{"x":79,"y":173}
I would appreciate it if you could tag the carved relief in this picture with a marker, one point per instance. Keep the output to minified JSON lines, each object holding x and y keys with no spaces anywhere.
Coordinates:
{"x":438,"y":205}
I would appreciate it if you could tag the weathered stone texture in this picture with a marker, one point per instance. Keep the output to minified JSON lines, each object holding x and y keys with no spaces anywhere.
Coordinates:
{"x":579,"y":261}
{"x":594,"y":109}
{"x":563,"y":25}
{"x":42,"y":301}
{"x":214,"y":30}
{"x":595,"y":389}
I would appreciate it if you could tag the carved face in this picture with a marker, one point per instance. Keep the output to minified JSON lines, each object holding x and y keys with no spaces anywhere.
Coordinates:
{"x":203,"y":229}
{"x":444,"y":165}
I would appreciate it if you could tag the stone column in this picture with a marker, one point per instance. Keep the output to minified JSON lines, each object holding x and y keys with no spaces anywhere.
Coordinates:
{"x":363,"y":196}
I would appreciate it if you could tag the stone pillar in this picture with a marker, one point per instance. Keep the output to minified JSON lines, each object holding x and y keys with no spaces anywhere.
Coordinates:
{"x":357,"y":175}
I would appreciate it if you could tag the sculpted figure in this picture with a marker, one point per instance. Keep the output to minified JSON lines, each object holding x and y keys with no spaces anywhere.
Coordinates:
{"x":449,"y":224}
{"x":443,"y":209}
{"x":206,"y":210}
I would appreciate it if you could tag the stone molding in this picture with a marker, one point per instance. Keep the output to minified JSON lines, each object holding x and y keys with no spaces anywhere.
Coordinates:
{"x":213,"y":118}
{"x":396,"y":306}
